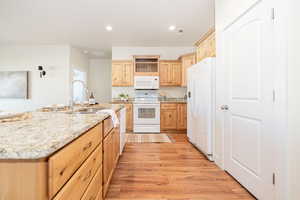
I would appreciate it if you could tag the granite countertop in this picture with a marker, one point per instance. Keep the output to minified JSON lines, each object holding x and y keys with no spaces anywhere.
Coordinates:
{"x":45,"y":133}
{"x":173,"y":100}
{"x":119,"y":101}
{"x":162,"y":100}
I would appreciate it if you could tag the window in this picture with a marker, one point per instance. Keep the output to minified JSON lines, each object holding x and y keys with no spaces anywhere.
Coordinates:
{"x":79,"y":93}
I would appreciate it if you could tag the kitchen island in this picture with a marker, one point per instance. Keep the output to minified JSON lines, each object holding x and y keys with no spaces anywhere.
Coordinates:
{"x":58,"y":155}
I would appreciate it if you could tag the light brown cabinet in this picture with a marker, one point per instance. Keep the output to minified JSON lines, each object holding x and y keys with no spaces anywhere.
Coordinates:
{"x":111,"y":152}
{"x":206,"y":46}
{"x":79,"y":182}
{"x":122,"y":73}
{"x":95,"y":188}
{"x":186,"y":61}
{"x":129,"y":117}
{"x":147,"y":65}
{"x":170,"y":73}
{"x":168,"y":117}
{"x":64,"y":163}
{"x":181,"y":116}
{"x":172,"y":116}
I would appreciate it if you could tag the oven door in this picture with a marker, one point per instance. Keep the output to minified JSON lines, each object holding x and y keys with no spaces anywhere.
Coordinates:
{"x":146,"y":114}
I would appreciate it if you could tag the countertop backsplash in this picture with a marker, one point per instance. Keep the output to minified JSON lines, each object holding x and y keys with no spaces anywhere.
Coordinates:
{"x":169,"y":92}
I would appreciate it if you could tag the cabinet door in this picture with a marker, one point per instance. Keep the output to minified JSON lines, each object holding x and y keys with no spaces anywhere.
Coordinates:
{"x":107,"y":148}
{"x":127,"y":74}
{"x":129,"y":117}
{"x":164,"y":74}
{"x":122,"y":73}
{"x":168,"y":118}
{"x":117,"y":146}
{"x":117,"y":74}
{"x":170,"y":73}
{"x":186,"y":61}
{"x":182,"y":116}
{"x":175,"y":74}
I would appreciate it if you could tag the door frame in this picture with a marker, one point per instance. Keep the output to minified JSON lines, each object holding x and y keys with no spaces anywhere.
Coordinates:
{"x":280,"y":88}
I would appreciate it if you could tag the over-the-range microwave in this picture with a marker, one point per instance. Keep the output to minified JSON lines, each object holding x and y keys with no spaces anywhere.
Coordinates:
{"x":146,"y":82}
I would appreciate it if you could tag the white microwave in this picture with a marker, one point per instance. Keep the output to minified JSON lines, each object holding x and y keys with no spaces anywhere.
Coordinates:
{"x":146,"y":82}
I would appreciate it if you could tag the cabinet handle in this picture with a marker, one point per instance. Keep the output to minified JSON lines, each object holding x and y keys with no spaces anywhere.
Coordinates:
{"x":62,"y":172}
{"x":87,"y":146}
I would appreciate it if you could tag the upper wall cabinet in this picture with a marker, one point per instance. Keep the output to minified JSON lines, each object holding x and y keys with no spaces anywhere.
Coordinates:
{"x":206,"y":46}
{"x":146,"y":65}
{"x":186,"y":61}
{"x":170,"y":73}
{"x":122,"y":73}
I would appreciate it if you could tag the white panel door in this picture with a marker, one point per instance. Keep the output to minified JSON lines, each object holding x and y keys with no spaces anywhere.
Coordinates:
{"x":248,"y":58}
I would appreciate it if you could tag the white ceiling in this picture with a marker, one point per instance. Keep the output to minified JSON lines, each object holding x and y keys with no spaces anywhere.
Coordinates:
{"x":81,"y":23}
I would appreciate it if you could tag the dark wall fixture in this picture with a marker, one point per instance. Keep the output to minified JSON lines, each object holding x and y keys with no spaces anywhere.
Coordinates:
{"x":42,"y":71}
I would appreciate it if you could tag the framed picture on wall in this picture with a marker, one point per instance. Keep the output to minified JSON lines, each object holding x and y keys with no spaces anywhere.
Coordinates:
{"x":14,"y":84}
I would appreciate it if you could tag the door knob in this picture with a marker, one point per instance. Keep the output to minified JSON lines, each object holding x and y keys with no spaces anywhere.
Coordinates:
{"x":225,"y":107}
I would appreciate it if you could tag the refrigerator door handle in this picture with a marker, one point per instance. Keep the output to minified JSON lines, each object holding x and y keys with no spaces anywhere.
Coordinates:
{"x":224,"y":107}
{"x":189,"y":94}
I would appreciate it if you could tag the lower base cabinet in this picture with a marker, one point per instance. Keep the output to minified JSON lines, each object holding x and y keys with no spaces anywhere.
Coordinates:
{"x":173,"y":116}
{"x":82,"y":179}
{"x":111,"y":152}
{"x":95,"y":187}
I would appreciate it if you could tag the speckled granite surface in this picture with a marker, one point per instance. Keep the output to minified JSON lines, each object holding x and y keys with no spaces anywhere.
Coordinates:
{"x":161,"y":100}
{"x":173,"y":100}
{"x":45,"y":133}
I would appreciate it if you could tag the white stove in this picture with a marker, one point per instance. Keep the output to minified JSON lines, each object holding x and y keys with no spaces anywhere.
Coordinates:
{"x":146,"y":115}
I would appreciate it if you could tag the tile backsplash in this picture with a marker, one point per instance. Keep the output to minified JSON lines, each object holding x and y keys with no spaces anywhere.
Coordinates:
{"x":170,"y":92}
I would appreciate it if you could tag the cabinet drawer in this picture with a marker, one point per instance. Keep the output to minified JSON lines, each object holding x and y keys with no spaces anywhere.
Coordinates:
{"x":94,"y":188}
{"x":168,"y":106}
{"x":64,"y":163}
{"x":75,"y":187}
{"x":107,"y":126}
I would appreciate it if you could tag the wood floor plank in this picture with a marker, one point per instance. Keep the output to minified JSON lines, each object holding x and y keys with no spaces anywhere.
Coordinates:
{"x":171,"y":171}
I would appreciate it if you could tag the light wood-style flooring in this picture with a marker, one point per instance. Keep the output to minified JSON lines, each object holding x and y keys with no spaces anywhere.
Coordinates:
{"x":171,"y":171}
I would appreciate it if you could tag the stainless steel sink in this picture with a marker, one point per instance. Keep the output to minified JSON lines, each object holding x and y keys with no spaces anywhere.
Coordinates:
{"x":85,"y":111}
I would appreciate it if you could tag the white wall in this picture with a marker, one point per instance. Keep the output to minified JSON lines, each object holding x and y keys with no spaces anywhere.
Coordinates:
{"x":294,"y":100}
{"x":53,"y":89}
{"x":166,"y":53}
{"x":79,"y":60}
{"x":100,"y":79}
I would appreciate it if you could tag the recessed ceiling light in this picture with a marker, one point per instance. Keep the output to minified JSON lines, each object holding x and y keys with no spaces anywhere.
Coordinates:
{"x":172,"y":28}
{"x":108,"y":28}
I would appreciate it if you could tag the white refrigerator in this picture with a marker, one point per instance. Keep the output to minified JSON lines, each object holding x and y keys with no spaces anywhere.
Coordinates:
{"x":201,"y":86}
